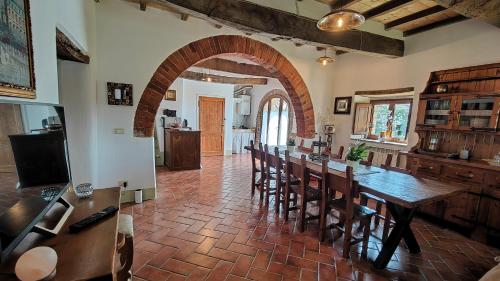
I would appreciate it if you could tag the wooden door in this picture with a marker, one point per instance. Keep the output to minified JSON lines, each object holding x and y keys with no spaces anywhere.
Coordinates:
{"x":211,"y":113}
{"x":11,"y":123}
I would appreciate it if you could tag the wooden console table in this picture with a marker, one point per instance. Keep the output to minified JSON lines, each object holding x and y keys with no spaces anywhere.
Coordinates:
{"x":88,"y":254}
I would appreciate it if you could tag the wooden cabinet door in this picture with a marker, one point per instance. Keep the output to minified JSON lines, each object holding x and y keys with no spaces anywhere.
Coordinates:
{"x":438,"y":112}
{"x":493,"y":219}
{"x":211,"y":118}
{"x":477,"y":112}
{"x":462,"y":209}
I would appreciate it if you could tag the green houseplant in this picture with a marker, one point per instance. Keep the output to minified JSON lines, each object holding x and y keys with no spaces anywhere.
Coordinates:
{"x":355,"y":154}
{"x":290,"y":145}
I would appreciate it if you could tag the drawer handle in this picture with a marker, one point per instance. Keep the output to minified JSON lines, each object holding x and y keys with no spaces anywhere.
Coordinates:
{"x":469,"y":176}
{"x":426,"y":168}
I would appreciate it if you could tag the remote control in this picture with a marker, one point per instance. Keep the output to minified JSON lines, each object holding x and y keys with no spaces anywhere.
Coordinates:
{"x":92,"y":219}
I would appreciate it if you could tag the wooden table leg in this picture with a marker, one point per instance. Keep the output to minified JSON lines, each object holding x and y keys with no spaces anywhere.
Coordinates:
{"x":401,"y":230}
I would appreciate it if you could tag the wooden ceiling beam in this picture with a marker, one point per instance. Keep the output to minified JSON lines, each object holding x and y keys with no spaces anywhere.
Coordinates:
{"x":386,"y":8}
{"x":434,"y":25}
{"x":415,"y":16}
{"x":338,"y":3}
{"x":67,"y":50}
{"x":484,"y":10}
{"x":256,"y":19}
{"x":191,"y":75}
{"x":235,"y":67}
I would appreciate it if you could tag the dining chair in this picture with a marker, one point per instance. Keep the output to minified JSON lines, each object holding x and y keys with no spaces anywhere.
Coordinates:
{"x":270,"y":174}
{"x":349,"y":211}
{"x":302,"y":148}
{"x":306,"y":192}
{"x":261,"y":183}
{"x":293,"y":178}
{"x":339,"y":154}
{"x":365,"y":197}
{"x":256,"y":172}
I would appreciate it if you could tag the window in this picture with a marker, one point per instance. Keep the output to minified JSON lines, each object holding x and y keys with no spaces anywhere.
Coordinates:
{"x":390,"y":118}
{"x":275,"y":121}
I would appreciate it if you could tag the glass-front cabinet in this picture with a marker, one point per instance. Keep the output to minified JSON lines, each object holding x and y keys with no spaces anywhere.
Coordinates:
{"x":477,"y":113}
{"x":437,"y":112}
{"x":468,"y":112}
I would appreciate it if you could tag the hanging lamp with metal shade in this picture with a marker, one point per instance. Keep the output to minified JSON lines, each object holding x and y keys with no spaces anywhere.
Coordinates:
{"x":340,"y":19}
{"x":324,"y":60}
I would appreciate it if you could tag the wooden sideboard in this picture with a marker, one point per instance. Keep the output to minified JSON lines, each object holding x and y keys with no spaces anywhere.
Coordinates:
{"x":182,"y":149}
{"x":460,"y":109}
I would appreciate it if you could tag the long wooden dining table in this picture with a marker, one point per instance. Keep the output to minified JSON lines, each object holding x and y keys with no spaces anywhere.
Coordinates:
{"x":403,"y":193}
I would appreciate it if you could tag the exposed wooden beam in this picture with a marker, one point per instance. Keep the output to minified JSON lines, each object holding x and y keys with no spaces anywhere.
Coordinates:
{"x":67,"y":50}
{"x":235,"y":67}
{"x":184,"y":17}
{"x":223,"y":79}
{"x":142,"y":6}
{"x":485,"y":10}
{"x":257,"y":19}
{"x":434,"y":25}
{"x":384,"y":92}
{"x":415,"y":16}
{"x":386,"y":8}
{"x":338,"y":3}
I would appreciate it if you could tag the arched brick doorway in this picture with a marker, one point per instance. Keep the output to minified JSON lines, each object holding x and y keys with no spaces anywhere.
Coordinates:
{"x":207,"y":48}
{"x":276,"y":93}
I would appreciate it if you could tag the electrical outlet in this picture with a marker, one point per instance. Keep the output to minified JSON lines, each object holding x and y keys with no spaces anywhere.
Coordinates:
{"x":123,"y":183}
{"x":118,"y":131}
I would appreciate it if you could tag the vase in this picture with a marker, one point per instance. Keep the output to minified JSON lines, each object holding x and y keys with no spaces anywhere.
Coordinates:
{"x":290,"y":148}
{"x":353,"y":164}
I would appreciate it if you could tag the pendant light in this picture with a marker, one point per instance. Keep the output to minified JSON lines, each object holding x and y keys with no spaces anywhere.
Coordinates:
{"x":324,"y":60}
{"x":340,"y":19}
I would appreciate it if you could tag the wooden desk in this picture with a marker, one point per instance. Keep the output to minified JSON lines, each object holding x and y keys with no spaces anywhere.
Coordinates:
{"x":85,"y":255}
{"x":404,"y":195}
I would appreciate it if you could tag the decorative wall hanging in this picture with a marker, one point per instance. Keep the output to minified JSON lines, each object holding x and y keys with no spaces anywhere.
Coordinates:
{"x":17,"y":76}
{"x":171,"y":95}
{"x":342,"y":105}
{"x":120,"y":94}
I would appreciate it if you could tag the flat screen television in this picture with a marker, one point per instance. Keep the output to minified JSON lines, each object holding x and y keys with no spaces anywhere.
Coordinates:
{"x":34,"y":168}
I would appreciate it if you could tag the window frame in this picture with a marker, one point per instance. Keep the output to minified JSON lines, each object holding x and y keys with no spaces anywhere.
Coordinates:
{"x":260,"y":116}
{"x":392,"y":104}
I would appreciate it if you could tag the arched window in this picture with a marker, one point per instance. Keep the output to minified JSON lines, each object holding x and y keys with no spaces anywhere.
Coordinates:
{"x":274,"y":121}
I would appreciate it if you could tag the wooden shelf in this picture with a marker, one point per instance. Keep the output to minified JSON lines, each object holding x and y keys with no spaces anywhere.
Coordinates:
{"x":438,"y":95}
{"x":465,"y":80}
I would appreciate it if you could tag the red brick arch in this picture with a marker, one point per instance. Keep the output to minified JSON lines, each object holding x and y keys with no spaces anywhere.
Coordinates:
{"x":207,"y":48}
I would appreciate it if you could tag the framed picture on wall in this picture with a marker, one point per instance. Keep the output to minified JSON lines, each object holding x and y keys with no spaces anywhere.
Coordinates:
{"x":120,"y":94}
{"x":342,"y":105}
{"x":17,"y":76}
{"x":171,"y":95}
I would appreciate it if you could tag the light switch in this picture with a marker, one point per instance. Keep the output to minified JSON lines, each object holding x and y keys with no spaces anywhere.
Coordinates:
{"x":118,"y":131}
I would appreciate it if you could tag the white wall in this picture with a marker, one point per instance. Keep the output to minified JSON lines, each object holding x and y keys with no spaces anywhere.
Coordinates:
{"x":195,"y":89}
{"x":464,"y":44}
{"x":131,"y":44}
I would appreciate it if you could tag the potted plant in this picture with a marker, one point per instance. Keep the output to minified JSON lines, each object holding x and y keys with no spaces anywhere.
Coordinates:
{"x":356,"y":153}
{"x":290,"y":145}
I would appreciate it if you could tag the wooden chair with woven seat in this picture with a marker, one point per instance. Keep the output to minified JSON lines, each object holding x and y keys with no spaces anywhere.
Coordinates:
{"x":256,"y":172}
{"x":339,"y":154}
{"x":292,"y":177}
{"x":125,"y":247}
{"x":349,"y":211}
{"x":306,"y":193}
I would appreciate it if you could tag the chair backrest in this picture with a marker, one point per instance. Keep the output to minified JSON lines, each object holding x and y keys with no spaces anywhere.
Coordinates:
{"x":369,"y":159}
{"x":253,"y":153}
{"x":342,"y":182}
{"x":301,"y":147}
{"x":339,"y":154}
{"x":387,"y":166}
{"x":262,"y":158}
{"x":291,"y":168}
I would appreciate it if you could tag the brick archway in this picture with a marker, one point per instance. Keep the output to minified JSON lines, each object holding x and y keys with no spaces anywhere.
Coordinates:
{"x":207,"y":48}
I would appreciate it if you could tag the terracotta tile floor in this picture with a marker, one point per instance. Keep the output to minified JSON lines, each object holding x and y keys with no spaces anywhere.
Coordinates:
{"x":204,"y":225}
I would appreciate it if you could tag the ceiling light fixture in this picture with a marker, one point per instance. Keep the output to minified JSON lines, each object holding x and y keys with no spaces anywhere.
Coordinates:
{"x":340,"y":19}
{"x":324,"y":60}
